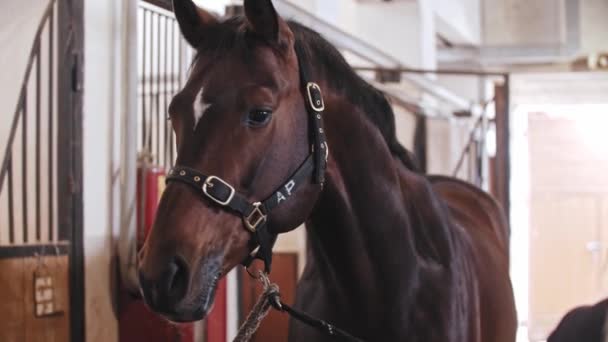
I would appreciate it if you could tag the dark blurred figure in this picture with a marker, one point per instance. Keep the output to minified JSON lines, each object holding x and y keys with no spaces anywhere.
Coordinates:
{"x":583,"y":324}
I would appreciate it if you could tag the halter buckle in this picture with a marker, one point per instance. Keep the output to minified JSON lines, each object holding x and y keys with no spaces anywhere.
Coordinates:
{"x":255,"y":218}
{"x":315,"y":96}
{"x":209,"y":183}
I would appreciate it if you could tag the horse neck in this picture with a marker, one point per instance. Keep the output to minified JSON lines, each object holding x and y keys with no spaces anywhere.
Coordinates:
{"x":360,"y":238}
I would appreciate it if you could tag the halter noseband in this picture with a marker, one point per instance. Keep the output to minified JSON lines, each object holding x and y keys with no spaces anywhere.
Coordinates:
{"x":255,"y":215}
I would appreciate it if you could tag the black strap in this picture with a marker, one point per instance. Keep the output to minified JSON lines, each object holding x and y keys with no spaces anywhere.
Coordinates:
{"x":319,"y":324}
{"x":224,"y":194}
{"x":315,"y":104}
{"x":255,"y":215}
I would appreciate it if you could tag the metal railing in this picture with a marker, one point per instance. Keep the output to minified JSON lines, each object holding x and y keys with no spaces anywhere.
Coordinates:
{"x":162,"y":60}
{"x":28,"y":186}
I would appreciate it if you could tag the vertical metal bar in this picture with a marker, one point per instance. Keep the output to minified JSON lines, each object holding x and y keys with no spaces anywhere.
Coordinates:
{"x":420,"y":142}
{"x":158,"y":82}
{"x":179,"y":60}
{"x":502,"y":168}
{"x":11,"y":207}
{"x":180,"y":57}
{"x":174,"y":85}
{"x":51,"y":133}
{"x":485,"y":124}
{"x":165,"y":93}
{"x":507,"y":148}
{"x":69,"y":215}
{"x":151,"y":84}
{"x":24,"y":162}
{"x":143,"y":78}
{"x":37,"y":194}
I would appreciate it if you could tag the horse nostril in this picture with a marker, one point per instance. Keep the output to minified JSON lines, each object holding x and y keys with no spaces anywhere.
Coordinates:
{"x":174,"y":281}
{"x":166,"y":291}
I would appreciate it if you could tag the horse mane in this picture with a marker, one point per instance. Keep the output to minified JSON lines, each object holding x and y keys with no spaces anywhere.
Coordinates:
{"x":231,"y":35}
{"x":343,"y":79}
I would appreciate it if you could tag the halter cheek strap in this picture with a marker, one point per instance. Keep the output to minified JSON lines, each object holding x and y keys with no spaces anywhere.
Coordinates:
{"x":255,"y":215}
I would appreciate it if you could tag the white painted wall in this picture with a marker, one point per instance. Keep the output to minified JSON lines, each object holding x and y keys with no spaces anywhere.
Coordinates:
{"x":217,"y":6}
{"x":459,"y":21}
{"x":401,"y":29}
{"x":594,"y":26}
{"x":530,"y":22}
{"x":523,"y":22}
{"x":101,"y":117}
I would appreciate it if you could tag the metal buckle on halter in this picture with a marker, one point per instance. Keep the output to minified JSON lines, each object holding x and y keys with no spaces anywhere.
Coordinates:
{"x":323,"y":147}
{"x":316,"y":102}
{"x":257,"y":215}
{"x":209,"y":184}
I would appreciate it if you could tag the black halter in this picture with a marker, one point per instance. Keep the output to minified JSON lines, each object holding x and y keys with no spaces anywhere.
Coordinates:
{"x":255,"y":215}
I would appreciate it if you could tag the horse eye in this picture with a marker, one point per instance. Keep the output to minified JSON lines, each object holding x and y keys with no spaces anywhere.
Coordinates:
{"x":258,"y":117}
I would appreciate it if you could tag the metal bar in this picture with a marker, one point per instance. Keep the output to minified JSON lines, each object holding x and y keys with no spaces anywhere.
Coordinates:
{"x":24,"y":165}
{"x":71,"y":20}
{"x":12,"y":252}
{"x":11,"y":208}
{"x":180,"y":57}
{"x":166,"y":85}
{"x":143,"y":73}
{"x":420,"y":142}
{"x":501,"y":174}
{"x":455,"y":72}
{"x":507,"y":149}
{"x":16,"y":116}
{"x":51,"y":130}
{"x":165,"y":4}
{"x":149,"y":115}
{"x":466,"y":148}
{"x":158,"y":83}
{"x":172,"y":90}
{"x":28,"y":69}
{"x":37,"y":172}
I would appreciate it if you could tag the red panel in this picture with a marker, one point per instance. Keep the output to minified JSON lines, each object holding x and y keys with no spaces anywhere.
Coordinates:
{"x":216,"y":321}
{"x":136,"y":322}
{"x":154,"y":180}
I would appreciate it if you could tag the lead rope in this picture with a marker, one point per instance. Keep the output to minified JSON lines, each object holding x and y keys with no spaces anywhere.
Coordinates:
{"x":259,"y":311}
{"x":271,"y":298}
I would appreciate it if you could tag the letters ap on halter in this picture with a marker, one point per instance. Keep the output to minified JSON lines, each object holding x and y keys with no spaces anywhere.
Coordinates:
{"x":287,"y":188}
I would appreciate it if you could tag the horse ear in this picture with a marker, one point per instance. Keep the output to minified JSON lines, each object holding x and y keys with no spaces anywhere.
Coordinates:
{"x":192,"y":21}
{"x":265,"y":22}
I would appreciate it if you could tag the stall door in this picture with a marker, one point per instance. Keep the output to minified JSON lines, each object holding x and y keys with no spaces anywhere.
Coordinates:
{"x":41,"y":272}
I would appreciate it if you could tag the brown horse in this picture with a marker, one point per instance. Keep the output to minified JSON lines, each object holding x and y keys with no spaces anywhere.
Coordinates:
{"x":393,"y":255}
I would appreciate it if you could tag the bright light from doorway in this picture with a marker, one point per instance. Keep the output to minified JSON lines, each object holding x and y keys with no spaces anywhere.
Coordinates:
{"x":592,"y":126}
{"x":590,"y":123}
{"x":589,"y":120}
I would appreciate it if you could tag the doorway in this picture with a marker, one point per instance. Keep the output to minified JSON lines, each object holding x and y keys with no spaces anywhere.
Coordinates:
{"x":560,"y":212}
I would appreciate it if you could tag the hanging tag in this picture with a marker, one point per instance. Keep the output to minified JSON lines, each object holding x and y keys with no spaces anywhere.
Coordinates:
{"x":45,"y":299}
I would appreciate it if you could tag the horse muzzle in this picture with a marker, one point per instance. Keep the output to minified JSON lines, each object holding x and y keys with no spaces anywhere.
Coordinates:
{"x":179,"y":293}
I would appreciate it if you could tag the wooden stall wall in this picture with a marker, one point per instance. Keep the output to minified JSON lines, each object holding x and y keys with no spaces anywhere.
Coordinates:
{"x":19,"y":322}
